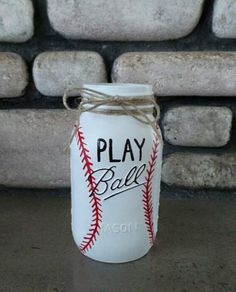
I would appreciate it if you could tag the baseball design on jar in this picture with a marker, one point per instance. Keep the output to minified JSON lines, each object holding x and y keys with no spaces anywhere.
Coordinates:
{"x":116,"y":154}
{"x":94,"y":200}
{"x":147,"y":191}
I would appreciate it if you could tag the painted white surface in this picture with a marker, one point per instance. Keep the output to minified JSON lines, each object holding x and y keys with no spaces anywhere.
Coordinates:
{"x":123,"y":235}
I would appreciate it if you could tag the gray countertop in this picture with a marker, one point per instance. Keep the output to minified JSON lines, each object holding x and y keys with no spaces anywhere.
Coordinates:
{"x":195,"y":249}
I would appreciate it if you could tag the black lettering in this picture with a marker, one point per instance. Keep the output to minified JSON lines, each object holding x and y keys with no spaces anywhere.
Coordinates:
{"x":128,"y":149}
{"x":140,"y":146}
{"x":129,"y":178}
{"x":111,"y":152}
{"x":101,"y":148}
{"x":139,"y":173}
{"x":117,"y":184}
{"x":102,"y":183}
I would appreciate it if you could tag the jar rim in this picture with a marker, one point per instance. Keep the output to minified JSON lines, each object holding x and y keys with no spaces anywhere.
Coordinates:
{"x":121,"y":89}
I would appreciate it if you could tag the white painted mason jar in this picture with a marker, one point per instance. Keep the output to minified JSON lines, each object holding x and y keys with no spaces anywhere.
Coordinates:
{"x":115,"y":175}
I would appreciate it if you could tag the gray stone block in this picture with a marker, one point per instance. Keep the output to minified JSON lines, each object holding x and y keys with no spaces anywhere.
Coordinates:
{"x":203,"y":126}
{"x":16,"y":20}
{"x":224,"y":18}
{"x":124,"y":20}
{"x":31,"y":148}
{"x":13,"y":75}
{"x":54,"y":72}
{"x":180,"y":73}
{"x":200,"y":170}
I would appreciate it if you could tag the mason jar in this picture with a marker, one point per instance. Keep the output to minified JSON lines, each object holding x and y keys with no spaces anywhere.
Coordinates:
{"x":116,"y":156}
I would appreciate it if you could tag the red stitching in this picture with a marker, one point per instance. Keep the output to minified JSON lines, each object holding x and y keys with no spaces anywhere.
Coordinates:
{"x":95,"y":202}
{"x":147,"y":191}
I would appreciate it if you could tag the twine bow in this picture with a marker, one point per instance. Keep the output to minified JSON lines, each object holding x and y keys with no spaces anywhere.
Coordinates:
{"x":140,"y":108}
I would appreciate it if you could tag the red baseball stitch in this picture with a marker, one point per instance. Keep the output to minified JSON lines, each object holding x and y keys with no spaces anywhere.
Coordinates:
{"x":147,"y":191}
{"x":95,"y":202}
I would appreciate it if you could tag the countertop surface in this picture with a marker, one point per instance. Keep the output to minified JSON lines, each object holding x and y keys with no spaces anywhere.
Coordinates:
{"x":195,"y":249}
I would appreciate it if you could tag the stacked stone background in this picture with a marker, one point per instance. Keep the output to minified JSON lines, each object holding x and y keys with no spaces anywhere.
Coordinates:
{"x":185,"y":48}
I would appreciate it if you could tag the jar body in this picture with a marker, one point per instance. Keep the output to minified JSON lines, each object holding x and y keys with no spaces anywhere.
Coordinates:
{"x":115,"y":184}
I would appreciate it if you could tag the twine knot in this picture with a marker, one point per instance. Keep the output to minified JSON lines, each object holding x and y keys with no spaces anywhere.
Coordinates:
{"x":140,"y":108}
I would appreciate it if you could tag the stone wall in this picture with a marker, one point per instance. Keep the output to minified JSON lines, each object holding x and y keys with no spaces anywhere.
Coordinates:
{"x":185,"y":48}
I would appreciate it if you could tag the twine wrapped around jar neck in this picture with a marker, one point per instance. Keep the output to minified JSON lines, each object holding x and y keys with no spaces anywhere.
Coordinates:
{"x":94,"y":101}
